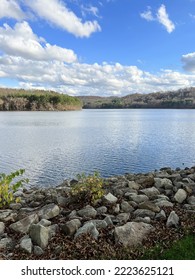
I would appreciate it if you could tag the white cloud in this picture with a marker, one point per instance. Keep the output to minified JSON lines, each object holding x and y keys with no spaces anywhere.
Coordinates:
{"x":163,"y":18}
{"x":90,"y":79}
{"x":21,"y":41}
{"x":189,"y":62}
{"x":147,"y":14}
{"x":56,"y":13}
{"x":11,"y":9}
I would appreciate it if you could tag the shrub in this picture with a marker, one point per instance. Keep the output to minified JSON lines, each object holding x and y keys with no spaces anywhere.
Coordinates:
{"x":8,"y":187}
{"x":89,"y":187}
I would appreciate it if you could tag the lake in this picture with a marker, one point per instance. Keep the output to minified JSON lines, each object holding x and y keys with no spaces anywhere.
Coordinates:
{"x":53,"y":146}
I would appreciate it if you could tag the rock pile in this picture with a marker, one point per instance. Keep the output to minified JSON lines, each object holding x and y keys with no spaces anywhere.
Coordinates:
{"x":129,"y":208}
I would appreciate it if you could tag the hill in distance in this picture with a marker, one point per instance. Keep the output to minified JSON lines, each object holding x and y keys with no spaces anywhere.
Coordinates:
{"x":180,"y":99}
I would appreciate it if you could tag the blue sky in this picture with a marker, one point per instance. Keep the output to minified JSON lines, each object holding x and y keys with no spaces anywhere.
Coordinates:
{"x":97,"y":47}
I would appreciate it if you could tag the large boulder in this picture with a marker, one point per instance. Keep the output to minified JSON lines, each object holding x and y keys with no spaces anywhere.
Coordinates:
{"x":49,"y":211}
{"x":132,"y":233}
{"x":39,"y":235}
{"x":87,"y":212}
{"x":150,"y":192}
{"x":23,"y":225}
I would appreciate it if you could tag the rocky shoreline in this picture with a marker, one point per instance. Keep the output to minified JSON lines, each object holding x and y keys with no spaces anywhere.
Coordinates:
{"x":136,"y":209}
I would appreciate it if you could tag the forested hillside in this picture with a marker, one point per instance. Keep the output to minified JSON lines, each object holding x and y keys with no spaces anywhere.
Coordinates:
{"x":36,"y":100}
{"x":183,"y":98}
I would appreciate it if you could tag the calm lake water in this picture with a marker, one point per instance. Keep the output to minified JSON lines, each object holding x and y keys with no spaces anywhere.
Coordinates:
{"x":53,"y":146}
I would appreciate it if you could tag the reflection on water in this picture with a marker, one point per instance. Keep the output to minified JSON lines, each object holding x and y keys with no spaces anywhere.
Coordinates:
{"x":52,"y":146}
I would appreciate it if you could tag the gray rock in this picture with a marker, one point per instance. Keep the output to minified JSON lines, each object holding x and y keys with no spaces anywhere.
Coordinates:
{"x":23,"y":225}
{"x":7,"y":216}
{"x":101,"y":210}
{"x":73,"y":215}
{"x":6,"y":242}
{"x":26,"y":245}
{"x":90,"y":228}
{"x":132,"y":233}
{"x":109,"y":199}
{"x":122,"y":218}
{"x":150,"y":206}
{"x":138,"y":198}
{"x":126,"y":207}
{"x":133,"y":185}
{"x":52,"y":230}
{"x":2,"y":228}
{"x":63,"y":201}
{"x":15,"y":206}
{"x":99,"y":224}
{"x":161,"y":215}
{"x":45,"y":223}
{"x":39,"y":235}
{"x":191,"y":200}
{"x":164,"y":203}
{"x":173,"y":220}
{"x":144,"y":213}
{"x":150,"y":192}
{"x":87,"y":212}
{"x":180,"y":195}
{"x":71,"y":227}
{"x":116,"y":209}
{"x":38,"y":251}
{"x":108,"y":221}
{"x":163,"y":183}
{"x":49,"y":211}
{"x":146,"y":220}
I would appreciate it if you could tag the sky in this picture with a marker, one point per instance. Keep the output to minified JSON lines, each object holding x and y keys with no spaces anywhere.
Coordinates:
{"x":97,"y":47}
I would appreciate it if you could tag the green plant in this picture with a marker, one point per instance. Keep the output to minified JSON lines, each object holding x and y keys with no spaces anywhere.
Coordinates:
{"x":8,"y":187}
{"x":89,"y":187}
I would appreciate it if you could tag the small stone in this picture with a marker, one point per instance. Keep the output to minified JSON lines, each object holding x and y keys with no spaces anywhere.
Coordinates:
{"x":122,"y":218}
{"x":87,"y":212}
{"x":164,"y":203}
{"x":150,"y":206}
{"x":161,"y":215}
{"x":133,"y":185}
{"x":26,"y":245}
{"x":101,"y":210}
{"x":126,"y":207}
{"x":45,"y":223}
{"x":180,"y":195}
{"x":144,"y":213}
{"x":109,"y":199}
{"x":191,"y":200}
{"x":71,"y":227}
{"x":5,"y":242}
{"x":138,"y":198}
{"x":173,"y":220}
{"x":38,"y":251}
{"x":2,"y":228}
{"x":90,"y":228}
{"x":109,"y":221}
